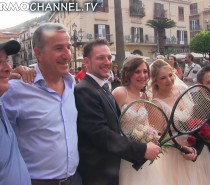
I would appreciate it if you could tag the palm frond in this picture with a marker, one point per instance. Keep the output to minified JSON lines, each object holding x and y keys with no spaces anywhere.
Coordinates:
{"x":161,"y":23}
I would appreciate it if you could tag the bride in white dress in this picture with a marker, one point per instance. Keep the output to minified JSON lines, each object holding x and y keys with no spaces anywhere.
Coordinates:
{"x":135,"y":75}
{"x":179,"y":168}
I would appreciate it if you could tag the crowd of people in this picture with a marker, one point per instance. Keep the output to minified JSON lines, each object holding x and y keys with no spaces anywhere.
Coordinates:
{"x":62,"y":128}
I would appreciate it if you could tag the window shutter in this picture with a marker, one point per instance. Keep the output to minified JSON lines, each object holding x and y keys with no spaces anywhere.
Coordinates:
{"x":185,"y":37}
{"x":95,"y":31}
{"x":107,"y":33}
{"x":106,"y":6}
{"x":132,"y":34}
{"x":141,"y":35}
{"x":178,"y":36}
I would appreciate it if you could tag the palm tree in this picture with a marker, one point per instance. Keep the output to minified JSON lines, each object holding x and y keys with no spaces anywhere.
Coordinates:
{"x":120,"y":50}
{"x":160,"y":25}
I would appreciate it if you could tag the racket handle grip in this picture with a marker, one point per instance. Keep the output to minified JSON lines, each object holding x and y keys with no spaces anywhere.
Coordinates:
{"x":184,"y":150}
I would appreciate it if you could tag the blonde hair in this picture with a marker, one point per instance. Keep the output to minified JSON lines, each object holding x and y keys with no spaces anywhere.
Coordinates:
{"x":156,"y":66}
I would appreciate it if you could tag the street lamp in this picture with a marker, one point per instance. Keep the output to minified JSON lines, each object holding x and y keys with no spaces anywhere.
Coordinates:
{"x":77,"y":37}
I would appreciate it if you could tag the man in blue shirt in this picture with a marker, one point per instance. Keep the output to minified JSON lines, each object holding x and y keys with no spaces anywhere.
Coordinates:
{"x":43,"y":114}
{"x":13,"y":170}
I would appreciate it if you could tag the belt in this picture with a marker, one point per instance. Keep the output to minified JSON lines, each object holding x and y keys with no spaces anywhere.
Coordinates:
{"x":65,"y":181}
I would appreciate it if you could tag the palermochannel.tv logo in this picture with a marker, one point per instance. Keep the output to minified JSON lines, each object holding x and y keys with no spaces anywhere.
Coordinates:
{"x":50,"y":6}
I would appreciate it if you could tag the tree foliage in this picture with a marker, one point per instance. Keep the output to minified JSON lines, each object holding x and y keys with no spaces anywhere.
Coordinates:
{"x":200,"y":43}
{"x":160,"y":25}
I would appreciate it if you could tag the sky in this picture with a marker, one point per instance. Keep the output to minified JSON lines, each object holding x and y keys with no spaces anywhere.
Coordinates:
{"x":13,"y":18}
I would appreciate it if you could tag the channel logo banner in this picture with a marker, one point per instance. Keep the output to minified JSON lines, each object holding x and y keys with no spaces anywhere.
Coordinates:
{"x":50,"y":6}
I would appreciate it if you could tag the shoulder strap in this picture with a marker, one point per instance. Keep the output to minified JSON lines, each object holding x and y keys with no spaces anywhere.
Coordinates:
{"x":190,"y":70}
{"x":126,"y":95}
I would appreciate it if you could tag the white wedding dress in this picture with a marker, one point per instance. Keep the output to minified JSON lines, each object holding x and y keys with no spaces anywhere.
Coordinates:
{"x":177,"y":170}
{"x":148,"y":174}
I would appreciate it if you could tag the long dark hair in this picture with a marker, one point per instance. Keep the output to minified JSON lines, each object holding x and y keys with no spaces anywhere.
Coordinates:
{"x":176,"y":65}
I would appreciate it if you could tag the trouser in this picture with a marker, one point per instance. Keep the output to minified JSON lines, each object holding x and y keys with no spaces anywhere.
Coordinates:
{"x":72,"y":180}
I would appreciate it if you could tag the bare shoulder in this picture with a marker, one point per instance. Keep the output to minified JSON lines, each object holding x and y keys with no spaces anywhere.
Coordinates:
{"x":156,"y":102}
{"x":120,"y":95}
{"x":119,"y":92}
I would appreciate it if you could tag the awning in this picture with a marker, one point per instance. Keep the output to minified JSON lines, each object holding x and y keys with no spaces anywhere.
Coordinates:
{"x":182,"y":55}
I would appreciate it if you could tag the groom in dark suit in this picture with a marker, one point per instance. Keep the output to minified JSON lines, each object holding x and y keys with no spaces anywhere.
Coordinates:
{"x":101,"y":143}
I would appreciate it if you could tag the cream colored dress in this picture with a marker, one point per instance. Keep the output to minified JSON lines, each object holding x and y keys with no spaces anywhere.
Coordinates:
{"x":149,"y":174}
{"x":179,"y":171}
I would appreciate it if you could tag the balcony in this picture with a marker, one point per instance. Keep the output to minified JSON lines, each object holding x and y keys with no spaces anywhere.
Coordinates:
{"x":136,"y":11}
{"x":195,"y":28}
{"x":137,"y":39}
{"x":206,"y":10}
{"x":171,"y":41}
{"x":182,"y":42}
{"x":108,"y":37}
{"x":160,"y":14}
{"x":194,"y":12}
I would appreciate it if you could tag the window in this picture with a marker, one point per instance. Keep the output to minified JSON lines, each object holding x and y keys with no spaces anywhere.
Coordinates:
{"x":181,"y":13}
{"x":137,"y":34}
{"x":159,"y":11}
{"x":194,"y":25}
{"x":193,"y":8}
{"x":102,"y":31}
{"x":182,"y":36}
{"x":102,"y":5}
{"x":136,"y":8}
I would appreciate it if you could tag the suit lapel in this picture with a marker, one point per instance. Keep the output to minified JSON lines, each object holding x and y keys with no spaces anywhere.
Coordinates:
{"x":103,"y":94}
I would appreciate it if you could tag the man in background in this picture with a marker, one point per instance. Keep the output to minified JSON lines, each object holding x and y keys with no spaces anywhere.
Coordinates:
{"x":81,"y":74}
{"x":191,"y":70}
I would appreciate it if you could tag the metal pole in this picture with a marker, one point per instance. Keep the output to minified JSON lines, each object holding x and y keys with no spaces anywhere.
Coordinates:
{"x":75,"y":50}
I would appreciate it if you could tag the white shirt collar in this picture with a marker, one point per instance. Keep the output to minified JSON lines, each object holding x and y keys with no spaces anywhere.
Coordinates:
{"x":98,"y":80}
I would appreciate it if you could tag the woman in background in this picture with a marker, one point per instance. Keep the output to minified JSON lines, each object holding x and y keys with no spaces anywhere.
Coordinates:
{"x":174,"y":64}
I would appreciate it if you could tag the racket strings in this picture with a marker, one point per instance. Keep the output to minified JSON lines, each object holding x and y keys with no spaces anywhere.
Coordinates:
{"x":142,"y":122}
{"x":195,"y":108}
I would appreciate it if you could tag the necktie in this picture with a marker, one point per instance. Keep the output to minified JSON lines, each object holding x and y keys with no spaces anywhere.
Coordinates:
{"x":109,"y":95}
{"x":106,"y":86}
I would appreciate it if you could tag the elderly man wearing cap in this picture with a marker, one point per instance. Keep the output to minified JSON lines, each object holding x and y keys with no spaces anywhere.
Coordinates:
{"x":13,"y":170}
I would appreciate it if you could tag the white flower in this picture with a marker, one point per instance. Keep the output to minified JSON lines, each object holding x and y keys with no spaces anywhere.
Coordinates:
{"x":145,"y":134}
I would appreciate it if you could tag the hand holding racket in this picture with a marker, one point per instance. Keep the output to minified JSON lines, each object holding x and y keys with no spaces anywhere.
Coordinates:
{"x":144,"y":121}
{"x":190,"y":112}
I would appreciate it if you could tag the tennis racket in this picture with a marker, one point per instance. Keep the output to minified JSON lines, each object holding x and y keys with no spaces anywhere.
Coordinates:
{"x":189,"y":113}
{"x":144,"y":121}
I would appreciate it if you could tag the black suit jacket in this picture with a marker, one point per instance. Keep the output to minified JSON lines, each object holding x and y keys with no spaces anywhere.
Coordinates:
{"x":100,"y":141}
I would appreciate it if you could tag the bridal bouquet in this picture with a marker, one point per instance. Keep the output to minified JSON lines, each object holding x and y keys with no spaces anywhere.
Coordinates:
{"x":203,"y":134}
{"x":145,"y":134}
